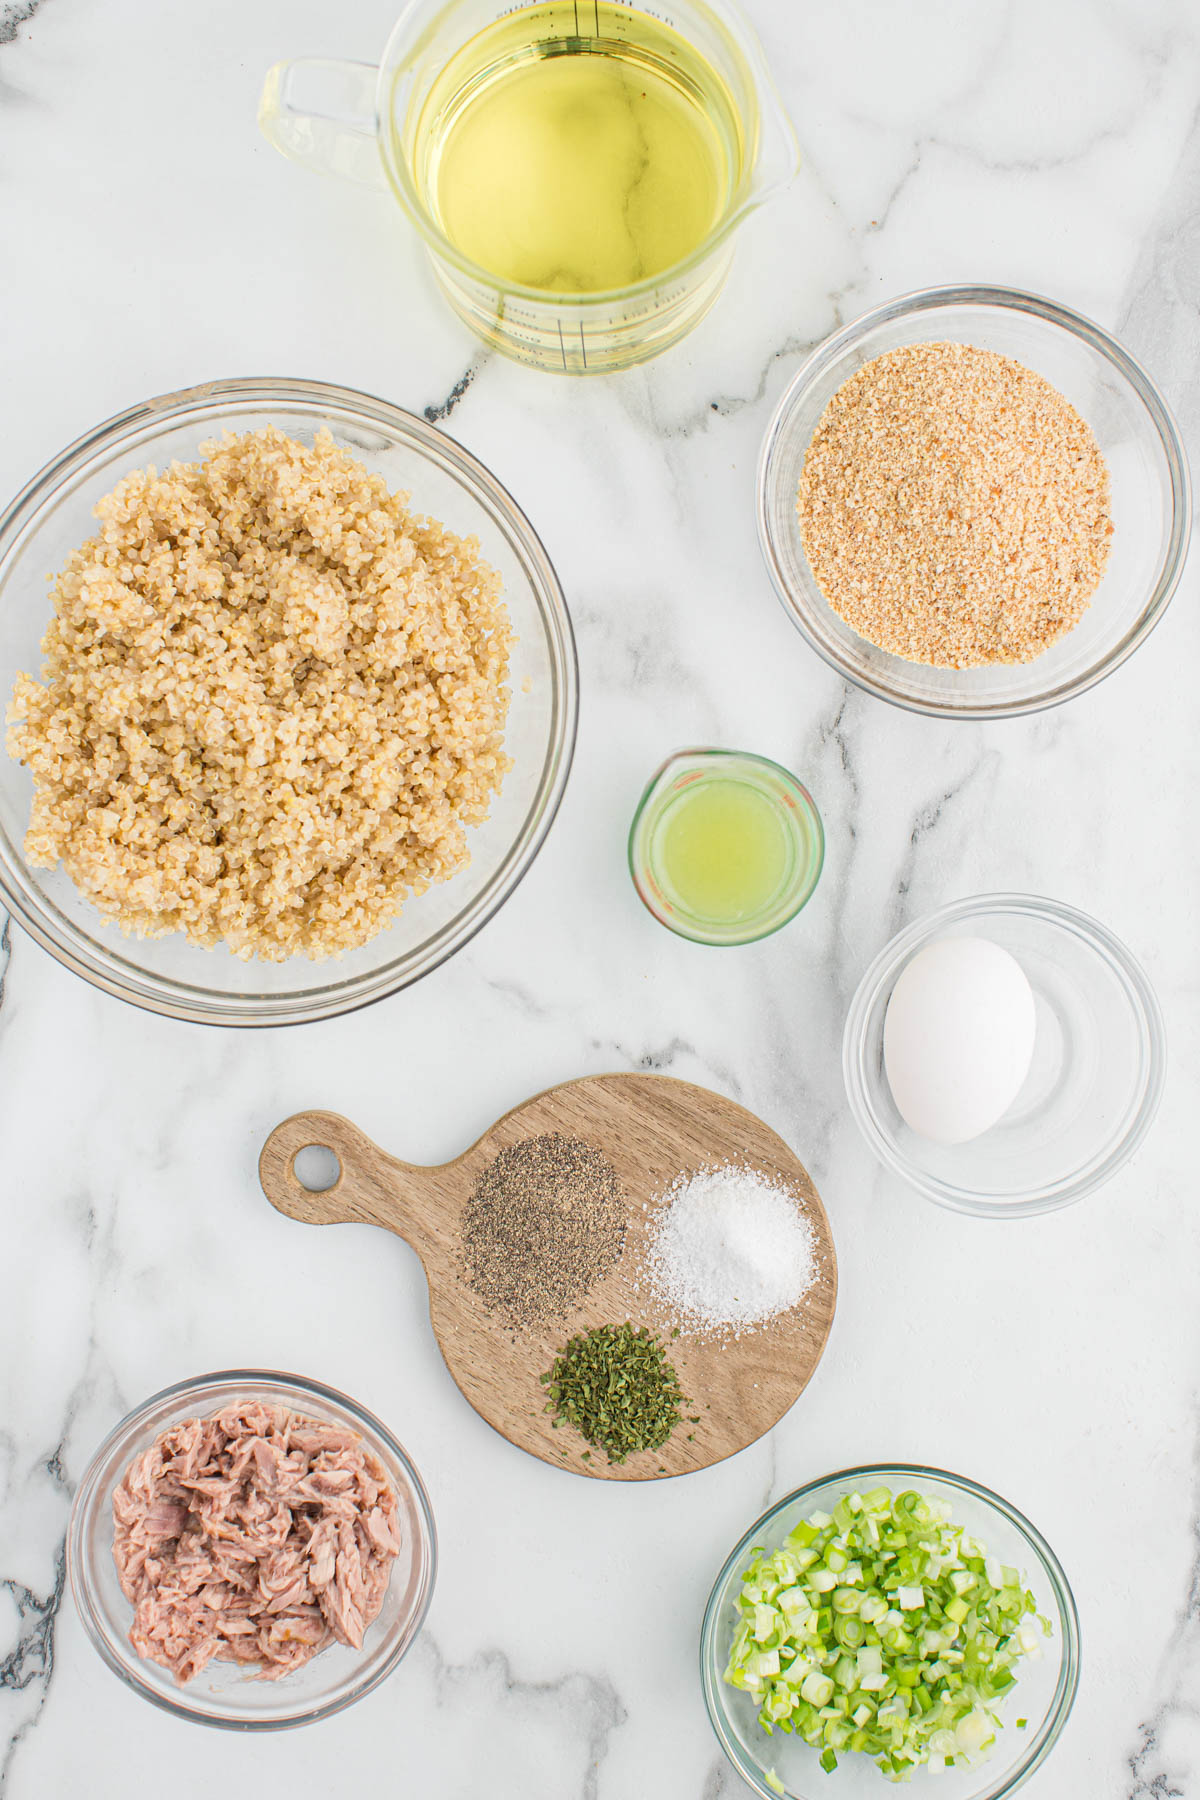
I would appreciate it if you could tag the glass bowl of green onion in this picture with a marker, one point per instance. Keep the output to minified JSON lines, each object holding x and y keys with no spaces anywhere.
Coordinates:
{"x":889,"y":1623}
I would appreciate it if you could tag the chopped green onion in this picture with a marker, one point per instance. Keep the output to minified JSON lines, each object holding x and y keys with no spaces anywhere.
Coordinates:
{"x":816,"y":1688}
{"x":883,"y":1628}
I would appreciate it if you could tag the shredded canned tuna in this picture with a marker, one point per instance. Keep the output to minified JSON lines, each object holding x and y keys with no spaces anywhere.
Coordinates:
{"x":255,"y":1536}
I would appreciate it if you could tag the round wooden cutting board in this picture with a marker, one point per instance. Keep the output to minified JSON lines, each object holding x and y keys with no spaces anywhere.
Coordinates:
{"x":652,"y":1128}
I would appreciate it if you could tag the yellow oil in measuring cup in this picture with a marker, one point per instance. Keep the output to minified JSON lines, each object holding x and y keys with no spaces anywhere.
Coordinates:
{"x":576,"y":147}
{"x":577,"y":168}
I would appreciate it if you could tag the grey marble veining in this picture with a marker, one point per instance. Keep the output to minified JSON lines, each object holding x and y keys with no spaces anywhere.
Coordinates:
{"x":150,"y":239}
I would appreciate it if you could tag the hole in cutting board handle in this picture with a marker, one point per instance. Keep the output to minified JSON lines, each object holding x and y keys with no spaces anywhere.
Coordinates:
{"x":317,"y":1168}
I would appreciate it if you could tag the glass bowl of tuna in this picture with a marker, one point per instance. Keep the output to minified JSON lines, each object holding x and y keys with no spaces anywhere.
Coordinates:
{"x":887,"y":1623}
{"x":252,"y":1550}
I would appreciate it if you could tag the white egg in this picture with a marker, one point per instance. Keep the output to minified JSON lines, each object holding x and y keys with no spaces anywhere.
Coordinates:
{"x":958,"y":1038}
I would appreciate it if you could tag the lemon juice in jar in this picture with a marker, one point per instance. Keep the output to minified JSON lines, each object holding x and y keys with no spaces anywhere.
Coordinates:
{"x":723,"y":850}
{"x":725,"y":847}
{"x":576,"y":147}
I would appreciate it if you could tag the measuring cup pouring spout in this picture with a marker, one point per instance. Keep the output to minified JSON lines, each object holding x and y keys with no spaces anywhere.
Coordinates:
{"x":364,"y":124}
{"x":775,"y":159}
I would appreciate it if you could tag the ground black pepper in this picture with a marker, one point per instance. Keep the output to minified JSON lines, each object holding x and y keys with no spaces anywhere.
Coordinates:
{"x":616,"y":1385}
{"x":545,"y":1221}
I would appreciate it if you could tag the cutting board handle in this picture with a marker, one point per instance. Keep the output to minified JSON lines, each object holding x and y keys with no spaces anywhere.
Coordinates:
{"x":372,"y":1188}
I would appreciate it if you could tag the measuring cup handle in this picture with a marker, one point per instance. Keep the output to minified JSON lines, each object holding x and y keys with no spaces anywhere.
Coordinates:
{"x":322,"y":114}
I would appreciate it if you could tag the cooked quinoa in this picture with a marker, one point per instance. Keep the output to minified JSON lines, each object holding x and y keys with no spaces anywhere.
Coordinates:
{"x":272,"y":702}
{"x":954,"y":507}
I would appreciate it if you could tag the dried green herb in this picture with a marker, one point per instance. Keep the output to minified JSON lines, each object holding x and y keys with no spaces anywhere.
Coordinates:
{"x":617,"y":1387}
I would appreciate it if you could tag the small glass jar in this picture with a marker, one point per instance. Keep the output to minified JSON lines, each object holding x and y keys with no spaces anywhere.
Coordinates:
{"x":725,"y":847}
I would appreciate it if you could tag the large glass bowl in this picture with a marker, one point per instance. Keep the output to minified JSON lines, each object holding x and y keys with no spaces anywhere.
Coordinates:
{"x":1151,"y":497}
{"x":223,"y":1693}
{"x":54,"y":514}
{"x":1045,"y":1687}
{"x":1093,"y":1087}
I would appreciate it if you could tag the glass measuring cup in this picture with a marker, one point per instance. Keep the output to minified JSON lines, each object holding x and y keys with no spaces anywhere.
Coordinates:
{"x":359,"y":122}
{"x":730,"y":874}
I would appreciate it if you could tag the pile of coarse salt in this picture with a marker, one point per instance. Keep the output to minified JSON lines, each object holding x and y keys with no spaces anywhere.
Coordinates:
{"x":729,"y":1249}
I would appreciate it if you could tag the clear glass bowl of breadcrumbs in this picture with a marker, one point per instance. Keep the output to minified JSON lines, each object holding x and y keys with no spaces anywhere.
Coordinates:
{"x":1150,"y":505}
{"x":53,"y":516}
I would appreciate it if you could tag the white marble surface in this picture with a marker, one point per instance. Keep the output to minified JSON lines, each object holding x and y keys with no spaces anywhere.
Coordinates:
{"x":150,"y":240}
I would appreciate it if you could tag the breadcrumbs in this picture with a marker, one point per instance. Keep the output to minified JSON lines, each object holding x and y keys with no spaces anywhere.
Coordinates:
{"x":954,"y":507}
{"x":272,"y":701}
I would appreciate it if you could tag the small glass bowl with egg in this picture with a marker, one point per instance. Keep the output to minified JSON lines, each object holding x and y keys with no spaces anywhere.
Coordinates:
{"x":1004,"y":1055}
